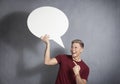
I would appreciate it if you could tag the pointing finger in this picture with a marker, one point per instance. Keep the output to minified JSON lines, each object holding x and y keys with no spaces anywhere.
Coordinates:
{"x":75,"y":63}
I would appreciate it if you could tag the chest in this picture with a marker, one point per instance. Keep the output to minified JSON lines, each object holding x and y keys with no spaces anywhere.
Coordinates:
{"x":67,"y":66}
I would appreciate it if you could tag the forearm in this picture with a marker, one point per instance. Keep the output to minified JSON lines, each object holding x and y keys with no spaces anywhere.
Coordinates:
{"x":47,"y":53}
{"x":47,"y":59}
{"x":79,"y":80}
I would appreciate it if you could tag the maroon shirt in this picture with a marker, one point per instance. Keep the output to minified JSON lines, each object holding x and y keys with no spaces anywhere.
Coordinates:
{"x":66,"y":74}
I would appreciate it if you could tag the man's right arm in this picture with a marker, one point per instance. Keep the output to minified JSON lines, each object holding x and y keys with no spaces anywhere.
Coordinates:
{"x":47,"y":58}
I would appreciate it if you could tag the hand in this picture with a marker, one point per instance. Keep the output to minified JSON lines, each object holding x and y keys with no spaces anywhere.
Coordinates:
{"x":76,"y":69}
{"x":45,"y":38}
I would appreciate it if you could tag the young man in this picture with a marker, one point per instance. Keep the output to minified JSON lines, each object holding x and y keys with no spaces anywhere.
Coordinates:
{"x":72,"y":68}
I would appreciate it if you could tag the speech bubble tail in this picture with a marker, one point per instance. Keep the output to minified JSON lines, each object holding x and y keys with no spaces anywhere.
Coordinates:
{"x":59,"y":41}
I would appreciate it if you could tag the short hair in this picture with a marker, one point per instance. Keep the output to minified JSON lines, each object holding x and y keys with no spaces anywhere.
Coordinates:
{"x":78,"y":41}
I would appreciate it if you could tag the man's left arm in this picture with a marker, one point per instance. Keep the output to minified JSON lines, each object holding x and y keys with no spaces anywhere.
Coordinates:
{"x":78,"y":78}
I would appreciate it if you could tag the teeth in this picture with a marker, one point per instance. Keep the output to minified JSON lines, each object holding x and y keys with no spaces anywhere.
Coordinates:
{"x":74,"y":54}
{"x":73,"y":51}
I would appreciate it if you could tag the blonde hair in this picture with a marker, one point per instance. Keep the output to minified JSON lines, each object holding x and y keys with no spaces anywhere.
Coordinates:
{"x":78,"y":41}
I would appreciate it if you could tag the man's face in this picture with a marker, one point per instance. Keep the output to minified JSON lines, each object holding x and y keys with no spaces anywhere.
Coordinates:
{"x":76,"y":49}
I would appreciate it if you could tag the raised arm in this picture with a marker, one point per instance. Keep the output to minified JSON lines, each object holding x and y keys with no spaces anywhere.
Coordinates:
{"x":47,"y":58}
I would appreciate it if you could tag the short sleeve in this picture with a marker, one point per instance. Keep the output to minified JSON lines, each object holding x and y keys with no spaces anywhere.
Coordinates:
{"x":85,"y":73}
{"x":58,"y":58}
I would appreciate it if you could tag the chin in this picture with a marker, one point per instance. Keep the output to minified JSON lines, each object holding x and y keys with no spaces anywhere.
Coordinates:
{"x":74,"y":56}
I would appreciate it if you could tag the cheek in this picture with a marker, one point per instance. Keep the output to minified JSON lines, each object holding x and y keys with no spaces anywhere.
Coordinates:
{"x":81,"y":50}
{"x":71,"y":49}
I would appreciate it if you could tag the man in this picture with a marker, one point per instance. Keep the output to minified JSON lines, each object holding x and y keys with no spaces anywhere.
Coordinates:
{"x":72,"y":68}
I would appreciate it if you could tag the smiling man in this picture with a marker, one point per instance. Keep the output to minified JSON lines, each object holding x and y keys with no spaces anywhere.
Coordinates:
{"x":73,"y":69}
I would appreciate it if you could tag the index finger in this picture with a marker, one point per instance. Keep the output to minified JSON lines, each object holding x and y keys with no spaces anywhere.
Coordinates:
{"x":75,"y":63}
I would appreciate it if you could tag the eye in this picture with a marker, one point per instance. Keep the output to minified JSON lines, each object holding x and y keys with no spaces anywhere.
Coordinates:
{"x":75,"y":47}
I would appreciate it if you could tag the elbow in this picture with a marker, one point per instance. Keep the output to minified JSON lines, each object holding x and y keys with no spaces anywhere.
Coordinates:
{"x":46,"y":63}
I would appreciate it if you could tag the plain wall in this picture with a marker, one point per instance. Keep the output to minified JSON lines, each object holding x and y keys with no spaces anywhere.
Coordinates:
{"x":96,"y":22}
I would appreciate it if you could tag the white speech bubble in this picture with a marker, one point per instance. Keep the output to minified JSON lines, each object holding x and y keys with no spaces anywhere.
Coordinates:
{"x":48,"y":20}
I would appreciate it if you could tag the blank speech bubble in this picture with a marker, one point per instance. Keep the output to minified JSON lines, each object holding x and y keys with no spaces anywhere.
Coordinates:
{"x":48,"y":20}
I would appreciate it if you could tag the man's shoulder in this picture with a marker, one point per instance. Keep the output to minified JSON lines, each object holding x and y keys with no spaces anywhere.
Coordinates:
{"x":65,"y":55}
{"x":84,"y":64}
{"x":62,"y":57}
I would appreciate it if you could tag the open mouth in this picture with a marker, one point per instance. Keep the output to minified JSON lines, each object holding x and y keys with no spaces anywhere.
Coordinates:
{"x":73,"y":54}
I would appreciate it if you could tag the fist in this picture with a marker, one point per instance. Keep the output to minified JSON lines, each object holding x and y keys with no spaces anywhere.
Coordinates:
{"x":45,"y":38}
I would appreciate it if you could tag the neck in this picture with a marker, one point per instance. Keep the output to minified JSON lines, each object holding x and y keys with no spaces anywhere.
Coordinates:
{"x":77,"y":58}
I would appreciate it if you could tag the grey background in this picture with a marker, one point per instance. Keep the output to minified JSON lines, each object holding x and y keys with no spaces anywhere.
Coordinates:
{"x":96,"y":22}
